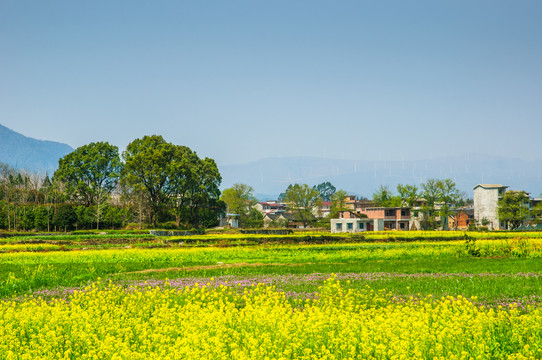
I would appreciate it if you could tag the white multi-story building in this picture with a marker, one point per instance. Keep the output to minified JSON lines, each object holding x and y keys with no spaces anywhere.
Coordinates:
{"x":354,"y":225}
{"x":486,"y":205}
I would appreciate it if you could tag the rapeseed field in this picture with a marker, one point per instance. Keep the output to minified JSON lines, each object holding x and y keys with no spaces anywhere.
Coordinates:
{"x":460,"y":299}
{"x":259,"y":322}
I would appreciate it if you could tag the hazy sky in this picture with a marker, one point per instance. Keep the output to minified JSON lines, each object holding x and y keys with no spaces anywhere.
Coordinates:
{"x":244,"y":80}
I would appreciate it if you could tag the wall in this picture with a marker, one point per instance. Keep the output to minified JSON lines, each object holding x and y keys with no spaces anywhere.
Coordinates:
{"x":486,"y":206}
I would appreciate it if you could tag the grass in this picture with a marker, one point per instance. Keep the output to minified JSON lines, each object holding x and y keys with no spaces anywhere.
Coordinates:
{"x":24,"y":272}
{"x":300,"y":236}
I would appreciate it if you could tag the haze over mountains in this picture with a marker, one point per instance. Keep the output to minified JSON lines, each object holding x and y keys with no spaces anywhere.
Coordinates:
{"x":25,"y":153}
{"x":271,"y":176}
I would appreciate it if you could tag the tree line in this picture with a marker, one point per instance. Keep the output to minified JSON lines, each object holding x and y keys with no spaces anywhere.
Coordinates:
{"x":434,"y":201}
{"x":153,"y":183}
{"x":156,"y":183}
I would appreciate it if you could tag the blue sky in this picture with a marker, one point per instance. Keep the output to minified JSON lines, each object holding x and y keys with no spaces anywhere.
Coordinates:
{"x":244,"y":80}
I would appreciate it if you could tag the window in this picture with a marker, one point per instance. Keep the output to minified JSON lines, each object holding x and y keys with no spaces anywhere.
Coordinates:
{"x":402,"y":225}
{"x":349,"y":226}
{"x":339,"y":226}
{"x":361,"y":226}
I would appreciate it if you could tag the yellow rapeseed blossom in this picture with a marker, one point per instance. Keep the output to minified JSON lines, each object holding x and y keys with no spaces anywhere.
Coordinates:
{"x":109,"y":322}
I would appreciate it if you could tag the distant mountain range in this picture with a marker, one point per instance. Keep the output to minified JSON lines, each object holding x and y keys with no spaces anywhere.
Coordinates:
{"x":270,"y":177}
{"x":22,"y":152}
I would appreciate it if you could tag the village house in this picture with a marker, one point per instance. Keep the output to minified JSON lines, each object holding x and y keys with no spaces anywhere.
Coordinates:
{"x":351,"y":202}
{"x":372,"y":219}
{"x":350,"y":222}
{"x":283,"y":220}
{"x":270,"y":207}
{"x":277,"y":220}
{"x":486,"y":205}
{"x":461,"y":219}
{"x":394,"y":218}
{"x":323,"y":210}
{"x":231,"y":220}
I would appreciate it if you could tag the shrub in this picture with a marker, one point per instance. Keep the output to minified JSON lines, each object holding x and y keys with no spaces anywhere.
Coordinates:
{"x":65,"y":217}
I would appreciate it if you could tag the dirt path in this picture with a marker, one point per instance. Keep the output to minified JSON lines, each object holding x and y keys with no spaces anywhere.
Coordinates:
{"x":210,"y":267}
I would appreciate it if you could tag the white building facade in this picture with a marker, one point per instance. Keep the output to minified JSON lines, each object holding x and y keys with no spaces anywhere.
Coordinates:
{"x":355,"y":225}
{"x":486,"y":205}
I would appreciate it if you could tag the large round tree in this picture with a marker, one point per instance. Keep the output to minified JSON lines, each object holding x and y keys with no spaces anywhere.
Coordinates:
{"x":90,"y":172}
{"x":172,"y":178}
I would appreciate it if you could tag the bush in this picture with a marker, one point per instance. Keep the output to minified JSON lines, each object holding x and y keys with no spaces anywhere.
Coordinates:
{"x":65,"y":217}
{"x":40,"y":218}
{"x":169,"y":225}
{"x":135,"y":226}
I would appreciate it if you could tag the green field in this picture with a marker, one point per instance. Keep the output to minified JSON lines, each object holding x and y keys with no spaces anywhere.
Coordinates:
{"x":501,"y":266}
{"x":392,"y":295}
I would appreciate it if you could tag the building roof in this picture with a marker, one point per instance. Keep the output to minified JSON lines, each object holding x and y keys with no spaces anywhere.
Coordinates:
{"x":272,"y":216}
{"x":353,"y":219}
{"x":490,"y":186}
{"x":355,"y":215}
{"x":297,"y":218}
{"x":469,"y":211}
{"x":288,"y":216}
{"x":272,"y":204}
{"x":385,"y":208}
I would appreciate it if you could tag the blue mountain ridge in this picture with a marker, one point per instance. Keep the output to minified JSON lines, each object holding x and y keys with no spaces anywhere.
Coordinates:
{"x":25,"y":153}
{"x":269,"y":177}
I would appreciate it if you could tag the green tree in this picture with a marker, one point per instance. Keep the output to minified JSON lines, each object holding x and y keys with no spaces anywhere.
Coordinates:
{"x":174,"y":179}
{"x":90,"y":172}
{"x":147,"y":167}
{"x":514,"y":208}
{"x":442,"y":194}
{"x":536,"y":213}
{"x":133,"y":198}
{"x":338,"y":203}
{"x":449,"y":196}
{"x":204,"y":205}
{"x":283,"y":194}
{"x":383,"y":197}
{"x":239,"y":200}
{"x":65,"y":217}
{"x":7,"y":186}
{"x":41,"y":218}
{"x":300,"y":200}
{"x":408,"y":194}
{"x":47,"y":190}
{"x":326,"y":190}
{"x":254,"y":219}
{"x":184,"y":176}
{"x":431,"y":194}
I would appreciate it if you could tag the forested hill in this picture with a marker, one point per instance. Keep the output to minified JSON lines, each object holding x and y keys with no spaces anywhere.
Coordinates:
{"x":26,"y":153}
